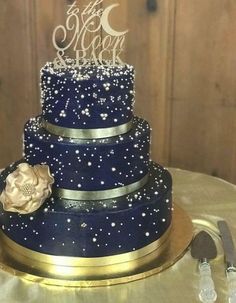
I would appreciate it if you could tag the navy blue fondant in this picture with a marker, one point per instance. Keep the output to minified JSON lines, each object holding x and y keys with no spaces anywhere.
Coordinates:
{"x":90,"y":165}
{"x":95,"y":229}
{"x":91,"y":97}
{"x":87,"y":97}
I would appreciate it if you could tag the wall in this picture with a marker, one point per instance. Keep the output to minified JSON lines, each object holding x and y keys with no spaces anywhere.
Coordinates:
{"x":204,"y":88}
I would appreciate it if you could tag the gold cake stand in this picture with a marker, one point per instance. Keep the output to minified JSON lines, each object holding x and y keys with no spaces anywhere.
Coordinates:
{"x":165,"y":256}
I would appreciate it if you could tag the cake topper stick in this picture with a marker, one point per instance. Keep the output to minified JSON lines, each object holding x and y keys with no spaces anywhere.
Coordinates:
{"x":80,"y":23}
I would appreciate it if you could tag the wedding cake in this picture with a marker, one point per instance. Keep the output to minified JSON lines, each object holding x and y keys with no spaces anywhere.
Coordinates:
{"x":86,"y":189}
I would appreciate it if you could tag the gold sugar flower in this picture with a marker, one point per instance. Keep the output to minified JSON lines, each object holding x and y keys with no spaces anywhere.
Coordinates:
{"x":27,"y":188}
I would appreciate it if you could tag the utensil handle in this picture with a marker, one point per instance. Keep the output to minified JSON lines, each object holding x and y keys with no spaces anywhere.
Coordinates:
{"x":207,"y":292}
{"x":231,"y":277}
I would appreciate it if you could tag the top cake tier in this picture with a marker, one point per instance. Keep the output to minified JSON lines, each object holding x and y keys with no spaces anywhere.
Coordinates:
{"x":87,"y":97}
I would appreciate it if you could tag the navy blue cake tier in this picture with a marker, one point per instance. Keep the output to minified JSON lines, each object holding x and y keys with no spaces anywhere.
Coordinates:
{"x":95,"y":229}
{"x":90,"y":165}
{"x":87,"y":97}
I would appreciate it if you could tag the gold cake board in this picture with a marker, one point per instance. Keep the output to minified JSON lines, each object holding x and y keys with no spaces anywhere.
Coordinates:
{"x":166,"y":255}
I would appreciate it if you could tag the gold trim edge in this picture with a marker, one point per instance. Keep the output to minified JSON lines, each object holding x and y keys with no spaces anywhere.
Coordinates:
{"x":21,"y":253}
{"x":97,"y":133}
{"x":179,"y":239}
{"x":102,"y":194}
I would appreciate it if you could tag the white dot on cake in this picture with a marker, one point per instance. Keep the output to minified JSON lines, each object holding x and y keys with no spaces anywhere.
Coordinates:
{"x":69,"y":220}
{"x":113,"y":224}
{"x":94,"y":240}
{"x":147,"y":234}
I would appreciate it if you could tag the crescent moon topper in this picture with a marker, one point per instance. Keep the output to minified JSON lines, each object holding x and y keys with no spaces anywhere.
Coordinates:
{"x":90,"y":37}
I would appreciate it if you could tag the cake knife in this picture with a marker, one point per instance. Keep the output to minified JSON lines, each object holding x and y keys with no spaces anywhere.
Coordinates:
{"x":204,"y":249}
{"x":230,"y":259}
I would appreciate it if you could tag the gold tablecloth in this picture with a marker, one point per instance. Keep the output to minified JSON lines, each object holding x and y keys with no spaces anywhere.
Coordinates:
{"x":206,"y":199}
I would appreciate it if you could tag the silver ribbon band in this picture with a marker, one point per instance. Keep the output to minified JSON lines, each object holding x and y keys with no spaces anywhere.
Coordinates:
{"x":101,"y":194}
{"x":97,"y":133}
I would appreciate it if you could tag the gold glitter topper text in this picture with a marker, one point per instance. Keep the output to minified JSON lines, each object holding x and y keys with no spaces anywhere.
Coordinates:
{"x":76,"y":35}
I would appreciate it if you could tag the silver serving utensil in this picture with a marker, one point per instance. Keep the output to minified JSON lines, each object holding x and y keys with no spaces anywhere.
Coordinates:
{"x":230,"y":259}
{"x":204,"y":249}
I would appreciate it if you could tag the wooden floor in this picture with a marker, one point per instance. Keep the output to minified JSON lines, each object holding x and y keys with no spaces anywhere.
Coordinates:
{"x":184,"y":55}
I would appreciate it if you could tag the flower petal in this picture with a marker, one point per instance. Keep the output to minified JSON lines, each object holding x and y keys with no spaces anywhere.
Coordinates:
{"x":17,"y":200}
{"x":25,"y":175}
{"x":11,"y":188}
{"x":43,"y":172}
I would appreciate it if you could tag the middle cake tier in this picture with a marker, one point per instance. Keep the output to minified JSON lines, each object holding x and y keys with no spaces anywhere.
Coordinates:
{"x":91,"y":165}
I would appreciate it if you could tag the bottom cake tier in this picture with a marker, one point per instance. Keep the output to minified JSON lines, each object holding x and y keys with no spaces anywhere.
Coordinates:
{"x":136,"y":223}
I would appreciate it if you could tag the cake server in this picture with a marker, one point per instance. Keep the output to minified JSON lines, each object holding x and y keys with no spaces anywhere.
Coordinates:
{"x":230,"y":259}
{"x":204,"y":249}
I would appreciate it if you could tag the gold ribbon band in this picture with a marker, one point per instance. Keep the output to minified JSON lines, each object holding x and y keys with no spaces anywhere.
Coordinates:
{"x":101,"y":194}
{"x":25,"y":255}
{"x":98,"y":133}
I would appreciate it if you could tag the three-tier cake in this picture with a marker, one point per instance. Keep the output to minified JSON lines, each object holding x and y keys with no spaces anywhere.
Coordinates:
{"x":86,"y":193}
{"x":108,"y":197}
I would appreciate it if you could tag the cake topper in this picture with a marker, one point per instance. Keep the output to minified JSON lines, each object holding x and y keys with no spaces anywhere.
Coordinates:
{"x":76,"y":36}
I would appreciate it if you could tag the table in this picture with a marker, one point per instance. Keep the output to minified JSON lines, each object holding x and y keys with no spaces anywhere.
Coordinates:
{"x":206,"y":199}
